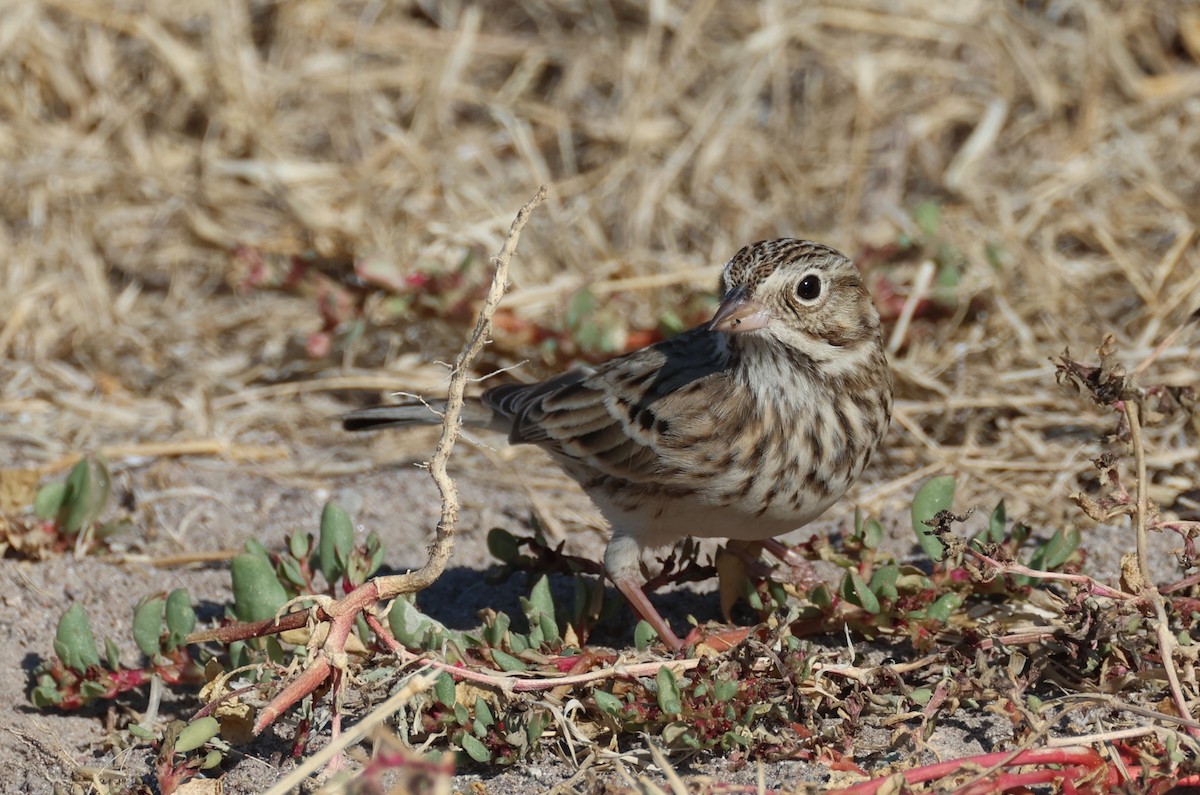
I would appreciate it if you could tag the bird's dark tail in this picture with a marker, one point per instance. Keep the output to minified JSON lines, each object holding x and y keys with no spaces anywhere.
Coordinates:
{"x":474,"y":414}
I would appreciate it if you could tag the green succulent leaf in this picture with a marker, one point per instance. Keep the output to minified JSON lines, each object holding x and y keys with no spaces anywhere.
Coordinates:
{"x":928,"y":216}
{"x":275,"y":651}
{"x":856,"y":591}
{"x":945,"y":607}
{"x":408,"y":624}
{"x":750,"y":594}
{"x":508,"y":663}
{"x":503,"y":545}
{"x":778,"y":593}
{"x":300,"y":544}
{"x":1056,"y":551}
{"x":253,"y":546}
{"x":872,"y":534}
{"x":374,"y":556}
{"x":883,"y":581}
{"x":291,"y":570}
{"x":538,"y":722}
{"x":74,"y":642}
{"x":112,"y":655}
{"x":49,"y":500}
{"x":580,"y":308}
{"x":725,"y":689}
{"x":536,"y":637}
{"x":679,"y":734}
{"x":669,"y":699}
{"x":494,"y":632}
{"x":539,"y":609}
{"x":443,"y":689}
{"x":147,"y":624}
{"x":88,"y":487}
{"x":643,"y":635}
{"x":140,"y":732}
{"x":90,"y":690}
{"x":937,"y":494}
{"x":181,"y":617}
{"x":609,"y":703}
{"x":257,"y":593}
{"x":239,"y":654}
{"x":996,"y":523}
{"x":335,"y":543}
{"x":196,"y":734}
{"x":821,"y":596}
{"x":731,"y":738}
{"x":476,"y":749}
{"x":483,"y":713}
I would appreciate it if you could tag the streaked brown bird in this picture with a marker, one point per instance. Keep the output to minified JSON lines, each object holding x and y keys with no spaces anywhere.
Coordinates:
{"x":746,"y":427}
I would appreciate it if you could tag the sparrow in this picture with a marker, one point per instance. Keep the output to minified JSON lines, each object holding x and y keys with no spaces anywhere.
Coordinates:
{"x":745,"y":427}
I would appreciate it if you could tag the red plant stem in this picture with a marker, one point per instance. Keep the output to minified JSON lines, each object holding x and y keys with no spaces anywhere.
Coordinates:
{"x":1082,"y":757}
{"x":1083,"y":580}
{"x":1186,"y":582}
{"x":256,"y":629}
{"x":308,"y":681}
{"x":1062,"y":779}
{"x":322,"y":665}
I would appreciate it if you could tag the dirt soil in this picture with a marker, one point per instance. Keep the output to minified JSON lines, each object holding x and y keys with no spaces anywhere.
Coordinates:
{"x":223,"y":224}
{"x":217,"y":505}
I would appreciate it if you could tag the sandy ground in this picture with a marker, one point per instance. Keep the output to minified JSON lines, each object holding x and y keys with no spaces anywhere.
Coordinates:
{"x":213,"y":505}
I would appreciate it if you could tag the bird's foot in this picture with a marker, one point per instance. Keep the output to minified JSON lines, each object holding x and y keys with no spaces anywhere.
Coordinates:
{"x":802,"y":573}
{"x":721,"y":640}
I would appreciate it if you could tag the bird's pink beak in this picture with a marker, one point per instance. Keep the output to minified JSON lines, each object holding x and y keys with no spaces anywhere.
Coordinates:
{"x":737,"y":314}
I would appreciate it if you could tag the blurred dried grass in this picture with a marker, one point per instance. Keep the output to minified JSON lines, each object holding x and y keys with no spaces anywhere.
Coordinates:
{"x":144,"y":144}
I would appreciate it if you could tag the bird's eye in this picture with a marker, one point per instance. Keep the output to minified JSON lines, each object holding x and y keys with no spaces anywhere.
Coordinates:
{"x":809,"y":288}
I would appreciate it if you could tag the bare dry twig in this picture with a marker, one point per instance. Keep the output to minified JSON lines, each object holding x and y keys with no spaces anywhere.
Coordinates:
{"x":418,"y":683}
{"x":439,"y":552}
{"x":1162,"y":630}
{"x":342,"y":614}
{"x":460,"y":376}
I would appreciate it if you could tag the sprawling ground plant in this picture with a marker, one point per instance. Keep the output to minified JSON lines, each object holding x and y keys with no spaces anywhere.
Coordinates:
{"x":930,"y":638}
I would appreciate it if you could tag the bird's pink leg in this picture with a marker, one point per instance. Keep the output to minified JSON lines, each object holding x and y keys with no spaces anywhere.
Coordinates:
{"x":784,"y":553}
{"x":641,"y":605}
{"x":800,"y":565}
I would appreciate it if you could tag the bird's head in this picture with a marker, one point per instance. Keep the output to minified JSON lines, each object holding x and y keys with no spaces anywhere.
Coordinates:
{"x":798,"y":294}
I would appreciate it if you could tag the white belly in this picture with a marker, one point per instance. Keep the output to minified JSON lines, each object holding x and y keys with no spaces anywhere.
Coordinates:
{"x":664,"y":523}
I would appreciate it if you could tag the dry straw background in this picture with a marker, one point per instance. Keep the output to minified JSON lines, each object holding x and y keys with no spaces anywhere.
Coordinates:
{"x":145,"y":147}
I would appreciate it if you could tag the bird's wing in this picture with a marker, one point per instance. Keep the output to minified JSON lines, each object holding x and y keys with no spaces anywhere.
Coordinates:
{"x":514,"y":401}
{"x":628,"y":416}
